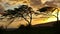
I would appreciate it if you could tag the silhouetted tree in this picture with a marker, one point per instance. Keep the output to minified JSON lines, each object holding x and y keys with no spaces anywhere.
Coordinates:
{"x":23,"y":11}
{"x":45,"y":9}
{"x":30,"y":12}
{"x":26,"y":11}
{"x":57,"y":24}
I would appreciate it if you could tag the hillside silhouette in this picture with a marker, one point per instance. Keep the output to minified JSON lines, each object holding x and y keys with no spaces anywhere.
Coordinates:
{"x":36,"y":29}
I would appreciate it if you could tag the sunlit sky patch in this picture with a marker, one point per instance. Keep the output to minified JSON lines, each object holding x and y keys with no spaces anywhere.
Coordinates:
{"x":35,"y":4}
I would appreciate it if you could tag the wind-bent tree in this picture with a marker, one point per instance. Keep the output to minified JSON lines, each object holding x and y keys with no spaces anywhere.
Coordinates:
{"x":47,"y":11}
{"x":57,"y":24}
{"x":26,"y":11}
{"x":23,"y":11}
{"x":51,"y":9}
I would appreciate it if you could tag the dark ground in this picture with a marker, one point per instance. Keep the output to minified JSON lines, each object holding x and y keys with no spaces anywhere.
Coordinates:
{"x":31,"y":30}
{"x":41,"y":30}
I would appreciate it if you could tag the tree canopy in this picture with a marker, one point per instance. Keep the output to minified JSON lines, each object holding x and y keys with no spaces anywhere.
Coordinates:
{"x":21,"y":12}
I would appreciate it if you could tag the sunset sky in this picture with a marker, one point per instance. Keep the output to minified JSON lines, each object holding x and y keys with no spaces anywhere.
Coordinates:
{"x":35,"y":4}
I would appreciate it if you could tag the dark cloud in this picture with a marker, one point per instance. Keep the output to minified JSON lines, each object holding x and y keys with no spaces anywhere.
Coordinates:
{"x":35,"y":2}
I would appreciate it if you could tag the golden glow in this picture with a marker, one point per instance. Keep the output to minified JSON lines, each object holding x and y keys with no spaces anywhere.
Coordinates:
{"x":36,"y":19}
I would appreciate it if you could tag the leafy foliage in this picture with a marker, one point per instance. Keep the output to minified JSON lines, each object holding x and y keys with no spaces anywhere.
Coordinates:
{"x":44,"y":9}
{"x":22,"y":12}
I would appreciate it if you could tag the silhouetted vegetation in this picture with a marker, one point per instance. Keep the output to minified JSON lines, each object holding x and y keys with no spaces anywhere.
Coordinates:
{"x":31,"y":30}
{"x":45,"y":9}
{"x":26,"y":11}
{"x":22,"y":12}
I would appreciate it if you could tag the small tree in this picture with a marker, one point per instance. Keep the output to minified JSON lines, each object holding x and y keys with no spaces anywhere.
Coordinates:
{"x":52,"y":9}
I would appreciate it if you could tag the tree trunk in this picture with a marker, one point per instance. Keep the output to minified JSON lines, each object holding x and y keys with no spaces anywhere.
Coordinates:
{"x":56,"y":24}
{"x":57,"y":18}
{"x":30,"y":19}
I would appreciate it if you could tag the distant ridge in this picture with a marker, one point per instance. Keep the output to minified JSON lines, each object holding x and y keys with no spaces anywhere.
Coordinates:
{"x":49,"y":24}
